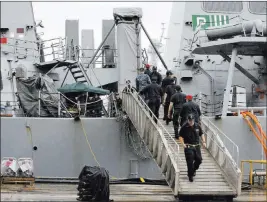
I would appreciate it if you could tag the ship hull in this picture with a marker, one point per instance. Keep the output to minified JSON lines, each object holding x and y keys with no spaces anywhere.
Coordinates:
{"x":59,"y":147}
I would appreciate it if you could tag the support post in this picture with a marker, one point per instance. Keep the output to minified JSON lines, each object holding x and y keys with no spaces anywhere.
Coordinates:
{"x":213,"y":96}
{"x":200,"y":100}
{"x":59,"y":106}
{"x":39,"y":103}
{"x":65,"y":77}
{"x":161,"y":59}
{"x":12,"y":83}
{"x":137,"y":44}
{"x":92,"y":59}
{"x":229,"y":82}
{"x":85,"y":107}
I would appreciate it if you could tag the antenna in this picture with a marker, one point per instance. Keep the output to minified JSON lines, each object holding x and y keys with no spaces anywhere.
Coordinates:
{"x":162,"y":33}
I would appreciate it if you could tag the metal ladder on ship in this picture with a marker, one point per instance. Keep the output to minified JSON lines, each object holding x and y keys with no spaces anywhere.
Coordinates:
{"x":219,"y":175}
{"x":78,"y":72}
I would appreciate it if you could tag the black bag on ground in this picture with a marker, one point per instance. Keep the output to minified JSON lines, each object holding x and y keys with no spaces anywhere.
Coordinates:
{"x":93,"y":184}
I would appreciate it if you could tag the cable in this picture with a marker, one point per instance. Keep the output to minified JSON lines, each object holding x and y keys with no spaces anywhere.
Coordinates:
{"x":134,"y":141}
{"x":255,"y":119}
{"x":254,"y":132}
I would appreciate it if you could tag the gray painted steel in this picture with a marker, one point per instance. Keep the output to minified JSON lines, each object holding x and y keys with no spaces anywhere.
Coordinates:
{"x":106,"y":26}
{"x":88,"y":43}
{"x":214,"y":65}
{"x":62,"y":150}
{"x":239,"y":132}
{"x":72,"y":32}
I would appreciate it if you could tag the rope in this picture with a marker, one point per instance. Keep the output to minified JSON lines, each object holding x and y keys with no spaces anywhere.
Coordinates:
{"x":90,"y":148}
{"x":88,"y":103}
{"x":29,"y":133}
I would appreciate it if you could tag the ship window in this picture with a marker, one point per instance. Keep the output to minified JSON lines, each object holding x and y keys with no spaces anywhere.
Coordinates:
{"x":223,"y":6}
{"x":258,"y":7}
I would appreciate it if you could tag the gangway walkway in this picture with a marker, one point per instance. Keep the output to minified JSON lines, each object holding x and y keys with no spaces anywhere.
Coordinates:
{"x":218,"y":176}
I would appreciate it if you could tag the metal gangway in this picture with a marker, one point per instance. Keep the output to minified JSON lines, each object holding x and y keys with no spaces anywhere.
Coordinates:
{"x":218,"y":175}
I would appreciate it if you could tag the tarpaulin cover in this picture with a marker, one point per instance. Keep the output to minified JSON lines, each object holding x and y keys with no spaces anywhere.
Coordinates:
{"x":127,"y":12}
{"x":28,"y":94}
{"x":93,"y":184}
{"x":80,"y":87}
{"x":127,"y":53}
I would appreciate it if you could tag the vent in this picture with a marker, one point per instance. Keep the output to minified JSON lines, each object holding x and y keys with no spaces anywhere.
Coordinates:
{"x":223,"y":6}
{"x":186,"y":75}
{"x":258,"y":7}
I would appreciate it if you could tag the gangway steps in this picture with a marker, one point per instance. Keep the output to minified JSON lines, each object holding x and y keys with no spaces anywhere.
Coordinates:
{"x":210,"y":180}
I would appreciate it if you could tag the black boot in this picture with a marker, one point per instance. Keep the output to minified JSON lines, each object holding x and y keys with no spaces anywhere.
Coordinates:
{"x":191,"y":179}
{"x":176,"y":135}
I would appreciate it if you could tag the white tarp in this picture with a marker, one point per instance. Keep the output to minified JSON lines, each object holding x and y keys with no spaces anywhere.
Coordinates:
{"x":127,"y":44}
{"x":128,"y":12}
{"x":127,"y":53}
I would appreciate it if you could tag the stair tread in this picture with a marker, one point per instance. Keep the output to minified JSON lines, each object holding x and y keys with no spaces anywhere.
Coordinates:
{"x":78,"y":71}
{"x":208,"y":191}
{"x":203,"y":186}
{"x":209,"y":178}
{"x":77,"y":77}
{"x":197,"y":184}
{"x":203,"y":180}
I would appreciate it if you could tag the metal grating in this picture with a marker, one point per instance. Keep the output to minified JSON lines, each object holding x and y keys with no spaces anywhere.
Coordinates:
{"x":258,"y":7}
{"x":223,"y":6}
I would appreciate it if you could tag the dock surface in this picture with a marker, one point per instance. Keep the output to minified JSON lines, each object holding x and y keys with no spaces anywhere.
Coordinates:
{"x":118,"y":192}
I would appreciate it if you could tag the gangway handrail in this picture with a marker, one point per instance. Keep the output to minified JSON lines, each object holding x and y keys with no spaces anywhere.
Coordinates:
{"x":223,"y":157}
{"x":225,"y":136}
{"x":139,"y":112}
{"x":161,"y":127}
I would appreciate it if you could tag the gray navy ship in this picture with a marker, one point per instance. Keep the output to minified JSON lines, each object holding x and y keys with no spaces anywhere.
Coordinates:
{"x":217,"y":51}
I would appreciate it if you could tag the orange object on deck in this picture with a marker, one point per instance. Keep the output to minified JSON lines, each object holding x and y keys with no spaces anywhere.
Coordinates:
{"x":254,"y":118}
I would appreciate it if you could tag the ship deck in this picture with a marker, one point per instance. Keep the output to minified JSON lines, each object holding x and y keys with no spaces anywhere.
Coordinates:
{"x":118,"y":192}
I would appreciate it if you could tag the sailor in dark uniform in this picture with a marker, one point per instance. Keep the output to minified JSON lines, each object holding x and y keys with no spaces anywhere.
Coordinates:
{"x":155,"y":75}
{"x":189,"y":137}
{"x":154,"y":95}
{"x":190,"y":107}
